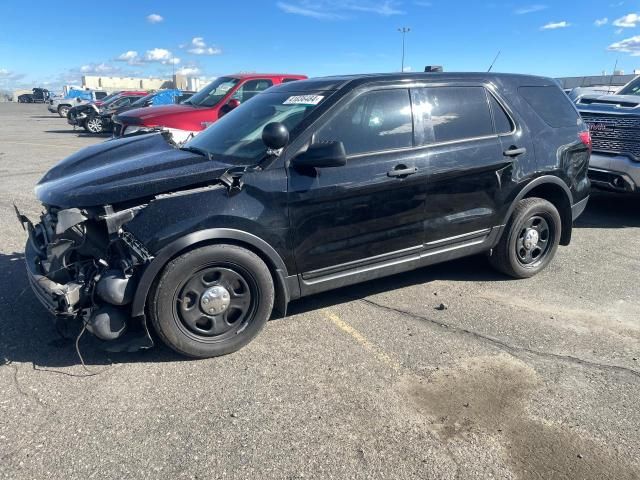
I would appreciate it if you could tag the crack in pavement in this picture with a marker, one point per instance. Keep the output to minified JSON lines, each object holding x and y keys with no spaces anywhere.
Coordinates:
{"x":505,"y":346}
{"x":19,"y":388}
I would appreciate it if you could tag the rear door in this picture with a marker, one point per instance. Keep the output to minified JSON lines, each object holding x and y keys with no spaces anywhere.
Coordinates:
{"x":365,"y":212}
{"x":466,"y":162}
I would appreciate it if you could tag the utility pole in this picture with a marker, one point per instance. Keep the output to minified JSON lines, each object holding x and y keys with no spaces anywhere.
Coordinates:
{"x":403,"y":31}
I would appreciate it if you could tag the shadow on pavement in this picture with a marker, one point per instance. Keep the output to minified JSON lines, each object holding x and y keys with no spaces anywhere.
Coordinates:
{"x":28,"y":333}
{"x":81,"y":133}
{"x":610,"y":210}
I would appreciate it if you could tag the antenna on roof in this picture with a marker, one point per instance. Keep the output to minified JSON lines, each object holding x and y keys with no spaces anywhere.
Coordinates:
{"x":494,"y":61}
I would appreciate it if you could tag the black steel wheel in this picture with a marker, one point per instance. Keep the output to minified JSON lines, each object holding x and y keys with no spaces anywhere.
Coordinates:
{"x":212,"y":301}
{"x":530,"y":239}
{"x":534,"y":240}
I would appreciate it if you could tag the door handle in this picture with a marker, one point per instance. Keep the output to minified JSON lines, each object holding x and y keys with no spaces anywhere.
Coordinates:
{"x":402,"y":172}
{"x":514,"y":151}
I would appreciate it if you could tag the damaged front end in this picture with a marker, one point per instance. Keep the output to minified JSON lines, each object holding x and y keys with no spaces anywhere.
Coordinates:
{"x":82,"y":265}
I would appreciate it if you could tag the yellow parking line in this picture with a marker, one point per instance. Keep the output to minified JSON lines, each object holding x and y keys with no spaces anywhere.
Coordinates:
{"x":362,"y":340}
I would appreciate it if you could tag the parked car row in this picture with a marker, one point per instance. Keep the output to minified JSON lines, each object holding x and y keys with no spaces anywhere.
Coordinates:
{"x":308,"y":186}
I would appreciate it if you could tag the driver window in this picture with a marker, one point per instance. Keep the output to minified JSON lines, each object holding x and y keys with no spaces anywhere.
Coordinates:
{"x":251,"y":88}
{"x":374,"y":121}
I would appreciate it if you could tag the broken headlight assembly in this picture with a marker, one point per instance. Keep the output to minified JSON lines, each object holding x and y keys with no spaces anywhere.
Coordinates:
{"x":83,"y":264}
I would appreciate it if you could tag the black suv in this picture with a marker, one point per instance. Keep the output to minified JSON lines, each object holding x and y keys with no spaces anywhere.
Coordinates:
{"x":309,"y":186}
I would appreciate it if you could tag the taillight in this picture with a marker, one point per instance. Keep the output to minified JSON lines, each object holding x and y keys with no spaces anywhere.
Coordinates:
{"x":585,"y":137}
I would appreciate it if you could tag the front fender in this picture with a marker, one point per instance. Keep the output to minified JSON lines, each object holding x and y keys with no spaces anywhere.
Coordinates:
{"x":287,"y":285}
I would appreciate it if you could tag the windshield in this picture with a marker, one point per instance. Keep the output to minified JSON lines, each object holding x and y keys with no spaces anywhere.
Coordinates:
{"x":237,"y":137}
{"x":213,"y":93}
{"x":141,"y":102}
{"x":110,"y":96}
{"x":631,"y":88}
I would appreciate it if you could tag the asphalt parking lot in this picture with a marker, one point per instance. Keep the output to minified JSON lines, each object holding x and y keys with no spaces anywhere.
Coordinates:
{"x":529,"y":379}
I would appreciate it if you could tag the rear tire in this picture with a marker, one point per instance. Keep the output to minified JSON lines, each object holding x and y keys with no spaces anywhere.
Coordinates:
{"x":63,"y":110}
{"x":530,"y":239}
{"x":212,"y":301}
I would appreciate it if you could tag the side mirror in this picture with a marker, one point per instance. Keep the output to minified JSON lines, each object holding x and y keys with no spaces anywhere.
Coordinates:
{"x":233,"y":103}
{"x":322,"y":155}
{"x":275,"y":135}
{"x":227,"y":107}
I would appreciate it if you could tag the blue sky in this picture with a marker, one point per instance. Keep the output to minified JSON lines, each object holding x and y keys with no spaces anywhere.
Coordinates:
{"x":314,"y":37}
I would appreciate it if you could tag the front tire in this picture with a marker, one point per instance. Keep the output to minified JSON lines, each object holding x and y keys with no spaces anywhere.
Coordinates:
{"x":93,"y":125}
{"x":530,"y":240}
{"x":212,"y":301}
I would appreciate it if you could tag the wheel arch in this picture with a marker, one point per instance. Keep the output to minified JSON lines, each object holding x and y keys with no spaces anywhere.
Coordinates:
{"x":285,"y":288}
{"x":554,"y":190}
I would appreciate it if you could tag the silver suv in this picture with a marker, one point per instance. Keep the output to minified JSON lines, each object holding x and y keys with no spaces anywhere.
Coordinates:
{"x":61,"y":105}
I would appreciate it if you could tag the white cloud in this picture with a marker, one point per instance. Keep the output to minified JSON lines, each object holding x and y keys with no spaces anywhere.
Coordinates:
{"x":199,"y":47}
{"x":98,"y":69}
{"x":307,"y":12}
{"x":161,"y":55}
{"x":530,"y":9}
{"x":340,"y":9}
{"x":555,"y":25}
{"x":9,"y":76}
{"x":130,"y":56}
{"x":629,"y":45}
{"x":601,"y":21}
{"x":628,"y":21}
{"x":154,"y":18}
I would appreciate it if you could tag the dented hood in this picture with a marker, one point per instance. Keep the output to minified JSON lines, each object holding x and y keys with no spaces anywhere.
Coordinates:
{"x":126,"y":169}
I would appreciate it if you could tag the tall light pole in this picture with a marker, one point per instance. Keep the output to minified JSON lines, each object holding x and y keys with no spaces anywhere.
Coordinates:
{"x":403,"y":31}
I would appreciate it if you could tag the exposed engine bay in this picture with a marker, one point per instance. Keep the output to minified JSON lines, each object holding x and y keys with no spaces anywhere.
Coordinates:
{"x":83,"y":265}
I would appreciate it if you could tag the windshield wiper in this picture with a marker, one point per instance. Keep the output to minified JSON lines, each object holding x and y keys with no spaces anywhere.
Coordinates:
{"x":199,"y":151}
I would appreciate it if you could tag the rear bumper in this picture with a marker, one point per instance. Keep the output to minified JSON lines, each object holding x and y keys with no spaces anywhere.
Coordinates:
{"x":614,"y":172}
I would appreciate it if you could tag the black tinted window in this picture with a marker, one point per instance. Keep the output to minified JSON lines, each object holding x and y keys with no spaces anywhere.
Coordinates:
{"x":551,"y":104}
{"x":456,"y":113}
{"x":374,"y":121}
{"x":500,"y":118}
{"x":100,"y":95}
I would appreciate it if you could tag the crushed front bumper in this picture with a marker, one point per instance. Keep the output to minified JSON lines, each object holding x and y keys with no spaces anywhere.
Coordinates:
{"x":58,"y":299}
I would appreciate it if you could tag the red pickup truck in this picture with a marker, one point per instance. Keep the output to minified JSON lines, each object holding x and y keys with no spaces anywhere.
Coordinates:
{"x":202,"y":109}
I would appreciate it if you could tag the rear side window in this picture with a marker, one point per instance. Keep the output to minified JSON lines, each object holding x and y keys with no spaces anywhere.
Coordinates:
{"x":455,"y":113}
{"x":551,"y":104}
{"x":375,"y":121}
{"x":501,"y":120}
{"x":100,"y":95}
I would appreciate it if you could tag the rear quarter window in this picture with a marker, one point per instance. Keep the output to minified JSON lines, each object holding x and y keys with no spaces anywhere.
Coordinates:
{"x":551,"y":104}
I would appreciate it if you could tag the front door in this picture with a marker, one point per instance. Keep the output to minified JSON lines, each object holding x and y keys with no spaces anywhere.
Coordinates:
{"x":370,"y":210}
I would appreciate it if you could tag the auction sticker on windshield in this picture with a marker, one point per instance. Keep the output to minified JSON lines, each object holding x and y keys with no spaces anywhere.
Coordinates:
{"x":303,"y":100}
